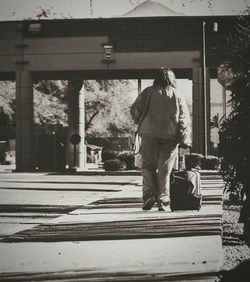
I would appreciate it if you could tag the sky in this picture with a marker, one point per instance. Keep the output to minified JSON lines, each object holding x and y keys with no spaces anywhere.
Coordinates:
{"x":11,"y":10}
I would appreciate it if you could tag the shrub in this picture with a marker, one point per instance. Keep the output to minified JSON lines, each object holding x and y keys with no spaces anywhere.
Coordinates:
{"x":109,"y":155}
{"x":232,"y":184}
{"x":113,"y":165}
{"x":210,"y":162}
{"x":193,"y":161}
{"x":198,"y":161}
{"x":129,"y":159}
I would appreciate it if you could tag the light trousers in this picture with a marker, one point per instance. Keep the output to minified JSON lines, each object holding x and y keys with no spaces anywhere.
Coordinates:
{"x":158,"y":158}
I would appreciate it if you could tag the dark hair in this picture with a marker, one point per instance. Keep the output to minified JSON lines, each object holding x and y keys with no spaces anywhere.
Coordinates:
{"x":165,"y":77}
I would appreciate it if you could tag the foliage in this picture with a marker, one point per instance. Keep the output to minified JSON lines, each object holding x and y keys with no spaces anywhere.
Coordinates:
{"x":49,"y":106}
{"x":198,"y":161}
{"x":193,"y":161}
{"x":96,"y":103}
{"x":216,"y":121}
{"x":56,"y":88}
{"x":109,"y":155}
{"x":234,"y":133}
{"x":107,"y":105}
{"x":128,"y":158}
{"x":46,"y":13}
{"x":232,"y":186}
{"x":134,"y":2}
{"x":235,"y":130}
{"x":7,"y":102}
{"x":113,"y":165}
{"x":211,"y":163}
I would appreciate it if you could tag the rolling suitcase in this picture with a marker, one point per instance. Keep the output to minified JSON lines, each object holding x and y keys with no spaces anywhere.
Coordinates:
{"x":185,"y":190}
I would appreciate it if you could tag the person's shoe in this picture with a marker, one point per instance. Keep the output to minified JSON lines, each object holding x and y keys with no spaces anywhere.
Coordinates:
{"x":148,"y":204}
{"x":163,"y":206}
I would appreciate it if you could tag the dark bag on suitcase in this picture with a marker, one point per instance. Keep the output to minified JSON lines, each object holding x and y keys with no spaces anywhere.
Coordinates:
{"x":185,"y":190}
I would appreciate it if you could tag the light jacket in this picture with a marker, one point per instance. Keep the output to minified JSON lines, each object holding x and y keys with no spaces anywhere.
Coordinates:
{"x":162,"y":113}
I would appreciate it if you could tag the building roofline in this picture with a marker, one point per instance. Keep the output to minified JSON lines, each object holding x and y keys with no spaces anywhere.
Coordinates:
{"x":127,"y":18}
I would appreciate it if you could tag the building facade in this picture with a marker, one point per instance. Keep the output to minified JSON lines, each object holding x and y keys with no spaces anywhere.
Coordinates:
{"x":116,"y":48}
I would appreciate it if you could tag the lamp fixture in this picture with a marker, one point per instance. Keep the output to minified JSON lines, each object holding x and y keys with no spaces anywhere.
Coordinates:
{"x":108,"y":53}
{"x":215,"y":26}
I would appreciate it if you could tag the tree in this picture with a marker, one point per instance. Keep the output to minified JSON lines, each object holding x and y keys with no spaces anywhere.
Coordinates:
{"x":7,"y":110}
{"x":7,"y":106}
{"x":107,"y":104}
{"x":235,"y":130}
{"x":46,"y":13}
{"x":50,"y":102}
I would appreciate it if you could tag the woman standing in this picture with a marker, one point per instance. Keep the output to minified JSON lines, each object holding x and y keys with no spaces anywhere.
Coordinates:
{"x":163,"y":122}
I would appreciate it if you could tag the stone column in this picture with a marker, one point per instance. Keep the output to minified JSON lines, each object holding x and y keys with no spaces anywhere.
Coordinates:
{"x":138,"y":158}
{"x":24,"y":122}
{"x":198,"y":125}
{"x":76,"y":123}
{"x":82,"y":147}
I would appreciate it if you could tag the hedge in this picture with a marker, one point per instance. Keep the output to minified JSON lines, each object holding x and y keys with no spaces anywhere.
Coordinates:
{"x":114,"y":165}
{"x":109,"y":155}
{"x":198,"y":161}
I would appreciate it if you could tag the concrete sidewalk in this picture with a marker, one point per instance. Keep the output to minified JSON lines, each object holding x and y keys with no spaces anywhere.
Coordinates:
{"x":27,"y":199}
{"x":92,"y":228}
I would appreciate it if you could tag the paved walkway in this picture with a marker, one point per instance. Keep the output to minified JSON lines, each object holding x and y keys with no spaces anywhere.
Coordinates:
{"x":92,"y":228}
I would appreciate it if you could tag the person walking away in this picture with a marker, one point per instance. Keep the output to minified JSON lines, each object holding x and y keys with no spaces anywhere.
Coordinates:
{"x":163,"y":122}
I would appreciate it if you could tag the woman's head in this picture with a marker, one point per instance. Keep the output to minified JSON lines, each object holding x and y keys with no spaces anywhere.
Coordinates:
{"x":165,"y":77}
